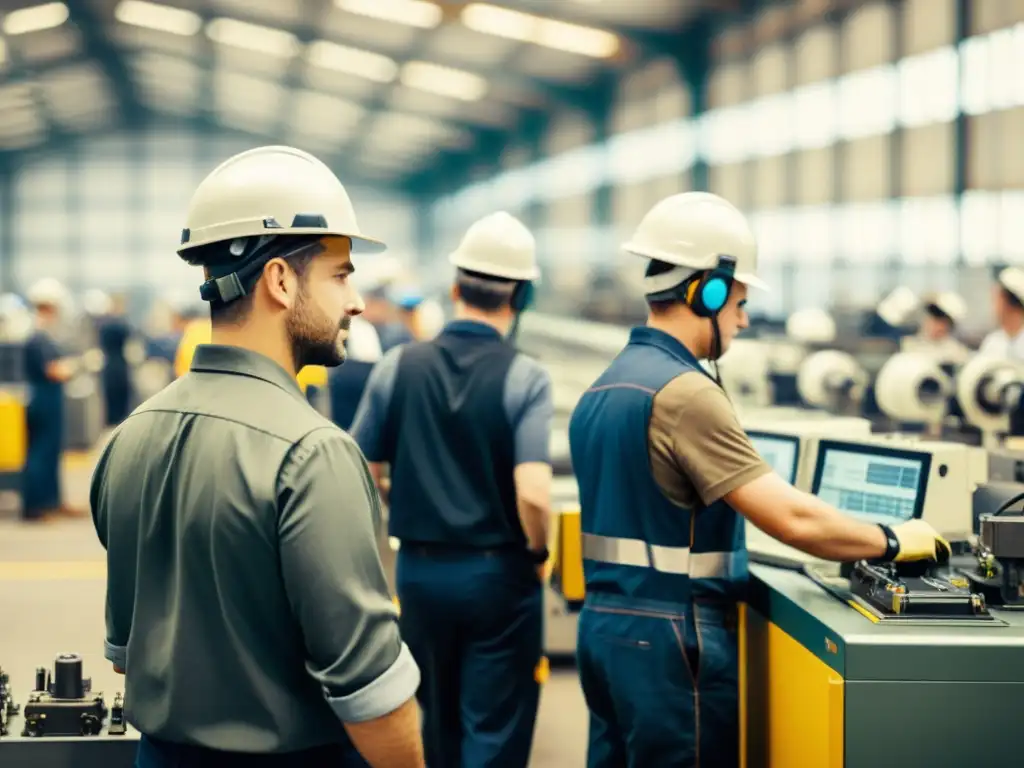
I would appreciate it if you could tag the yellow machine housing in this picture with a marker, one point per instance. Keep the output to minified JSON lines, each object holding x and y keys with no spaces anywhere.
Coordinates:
{"x":13,"y":433}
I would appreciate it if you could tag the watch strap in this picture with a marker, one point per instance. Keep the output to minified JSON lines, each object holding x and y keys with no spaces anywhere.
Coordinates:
{"x":539,"y":556}
{"x":892,"y":544}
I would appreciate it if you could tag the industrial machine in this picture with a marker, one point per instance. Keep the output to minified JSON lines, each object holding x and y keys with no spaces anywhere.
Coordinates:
{"x":13,"y":426}
{"x":828,"y":654}
{"x":64,"y":722}
{"x":912,"y":390}
{"x":989,"y":390}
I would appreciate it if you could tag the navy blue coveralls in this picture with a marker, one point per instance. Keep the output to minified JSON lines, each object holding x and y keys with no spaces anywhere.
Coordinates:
{"x":114,"y":334}
{"x":657,"y":646}
{"x":345,"y":385}
{"x":471,"y":609}
{"x":41,"y":487}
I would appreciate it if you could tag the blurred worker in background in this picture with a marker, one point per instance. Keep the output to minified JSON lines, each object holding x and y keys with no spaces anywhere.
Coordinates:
{"x":941,"y":314}
{"x":663,"y":468}
{"x":347,"y":382}
{"x":464,"y":421}
{"x":1007,"y":340}
{"x":46,"y":372}
{"x":114,"y":334}
{"x":407,"y":300}
{"x":240,"y":525}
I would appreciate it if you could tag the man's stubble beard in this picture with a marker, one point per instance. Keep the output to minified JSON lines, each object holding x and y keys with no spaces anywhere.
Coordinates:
{"x":314,"y":337}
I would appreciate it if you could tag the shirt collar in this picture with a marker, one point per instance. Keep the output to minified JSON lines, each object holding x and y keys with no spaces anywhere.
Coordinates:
{"x":644,"y":334}
{"x":218,"y":358}
{"x":471,"y":328}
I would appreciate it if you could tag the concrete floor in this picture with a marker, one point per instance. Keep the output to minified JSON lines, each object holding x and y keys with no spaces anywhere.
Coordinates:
{"x":51,"y":602}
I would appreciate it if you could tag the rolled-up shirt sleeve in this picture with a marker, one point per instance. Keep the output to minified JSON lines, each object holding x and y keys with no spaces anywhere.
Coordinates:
{"x":117,"y":539}
{"x":334,"y":578}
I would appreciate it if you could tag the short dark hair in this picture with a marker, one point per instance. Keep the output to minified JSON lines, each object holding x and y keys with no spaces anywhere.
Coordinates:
{"x":661,"y":303}
{"x":298,"y":258}
{"x":484,"y":292}
{"x":1011,"y":298}
{"x":934,"y":310}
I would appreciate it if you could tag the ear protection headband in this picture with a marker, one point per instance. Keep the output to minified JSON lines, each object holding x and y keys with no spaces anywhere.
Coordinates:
{"x":707,"y":296}
{"x":522,"y":296}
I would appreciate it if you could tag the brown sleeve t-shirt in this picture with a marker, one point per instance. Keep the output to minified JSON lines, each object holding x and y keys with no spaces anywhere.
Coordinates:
{"x":698,"y":450}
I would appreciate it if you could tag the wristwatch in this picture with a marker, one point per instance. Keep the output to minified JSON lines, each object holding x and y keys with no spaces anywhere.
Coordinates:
{"x":892,"y":544}
{"x":538,"y":556}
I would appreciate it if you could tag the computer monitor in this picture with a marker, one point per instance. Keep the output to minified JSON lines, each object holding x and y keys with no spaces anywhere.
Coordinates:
{"x":874,"y":483}
{"x":781,"y":452}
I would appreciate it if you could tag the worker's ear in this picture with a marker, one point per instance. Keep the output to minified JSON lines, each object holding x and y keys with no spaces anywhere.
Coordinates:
{"x":281,"y":283}
{"x":456,"y":296}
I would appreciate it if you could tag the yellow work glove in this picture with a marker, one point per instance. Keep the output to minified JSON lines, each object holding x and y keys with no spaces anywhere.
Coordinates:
{"x":919,"y":541}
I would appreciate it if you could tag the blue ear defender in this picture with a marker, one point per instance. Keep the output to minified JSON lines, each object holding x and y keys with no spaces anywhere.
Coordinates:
{"x":707,"y":296}
{"x":522,"y":296}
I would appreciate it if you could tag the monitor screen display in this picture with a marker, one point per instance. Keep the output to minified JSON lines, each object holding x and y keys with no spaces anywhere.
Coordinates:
{"x":876,"y":484}
{"x":781,"y":452}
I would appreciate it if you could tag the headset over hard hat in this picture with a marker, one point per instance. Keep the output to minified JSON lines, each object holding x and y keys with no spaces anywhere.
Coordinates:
{"x":262,"y":194}
{"x":498,"y":245}
{"x":691,"y":231}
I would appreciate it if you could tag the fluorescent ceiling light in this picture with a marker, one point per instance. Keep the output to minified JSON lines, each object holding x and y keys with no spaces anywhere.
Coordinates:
{"x":36,"y":18}
{"x":253,"y":37}
{"x":527,"y":28}
{"x":413,"y":13}
{"x":352,"y":61}
{"x":163,"y":18}
{"x":443,"y":81}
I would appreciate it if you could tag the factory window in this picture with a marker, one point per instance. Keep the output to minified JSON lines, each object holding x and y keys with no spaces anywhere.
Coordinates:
{"x":928,"y":88}
{"x":662,"y":150}
{"x":1012,"y":227}
{"x":725,"y":135}
{"x":513,"y":188}
{"x":42,"y":183}
{"x":929,"y":230}
{"x":814,"y":115}
{"x":867,"y":231}
{"x":814,"y":228}
{"x":36,"y":262}
{"x":772,"y":124}
{"x":867,"y":102}
{"x":40,"y":229}
{"x":1005,"y":59}
{"x":974,"y":75}
{"x":169,"y":185}
{"x":774,"y":235}
{"x":574,"y":172}
{"x":979,"y":227}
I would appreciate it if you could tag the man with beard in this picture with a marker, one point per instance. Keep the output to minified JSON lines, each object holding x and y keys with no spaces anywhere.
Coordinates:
{"x":666,"y":476}
{"x":246,"y":601}
{"x":464,"y":423}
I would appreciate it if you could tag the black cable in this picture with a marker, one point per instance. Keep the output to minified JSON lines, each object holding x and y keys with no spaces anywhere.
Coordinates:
{"x":1006,"y":505}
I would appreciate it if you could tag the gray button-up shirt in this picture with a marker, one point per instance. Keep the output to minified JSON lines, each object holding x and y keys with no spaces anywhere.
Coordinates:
{"x":246,"y":598}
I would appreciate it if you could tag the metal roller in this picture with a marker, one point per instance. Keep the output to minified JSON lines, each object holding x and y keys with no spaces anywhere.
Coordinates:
{"x":744,"y":371}
{"x":988,"y":388}
{"x":831,"y":379}
{"x":912,"y":387}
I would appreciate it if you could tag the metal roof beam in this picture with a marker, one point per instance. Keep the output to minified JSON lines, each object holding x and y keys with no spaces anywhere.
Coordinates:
{"x":98,"y":43}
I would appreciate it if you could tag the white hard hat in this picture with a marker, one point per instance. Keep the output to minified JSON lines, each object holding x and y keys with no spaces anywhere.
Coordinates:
{"x":898,"y":306}
{"x":498,"y":245}
{"x":1012,"y":279}
{"x":48,"y":291}
{"x":363,"y":343}
{"x":271,"y":191}
{"x":950,"y":304}
{"x":692,"y":230}
{"x":812,"y":326}
{"x":96,"y":303}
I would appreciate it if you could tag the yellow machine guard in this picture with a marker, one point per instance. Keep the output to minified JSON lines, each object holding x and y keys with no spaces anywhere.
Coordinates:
{"x":13,"y":433}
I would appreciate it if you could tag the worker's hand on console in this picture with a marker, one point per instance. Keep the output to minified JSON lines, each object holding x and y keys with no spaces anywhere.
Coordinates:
{"x":919,"y":541}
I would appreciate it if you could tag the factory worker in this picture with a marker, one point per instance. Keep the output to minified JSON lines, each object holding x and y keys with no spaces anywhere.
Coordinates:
{"x":666,"y":475}
{"x":114,"y":334}
{"x":240,"y":525}
{"x":1007,"y":340}
{"x":347,"y":382}
{"x":942,"y":313}
{"x":381,"y":310}
{"x":464,"y":421}
{"x":47,"y":370}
